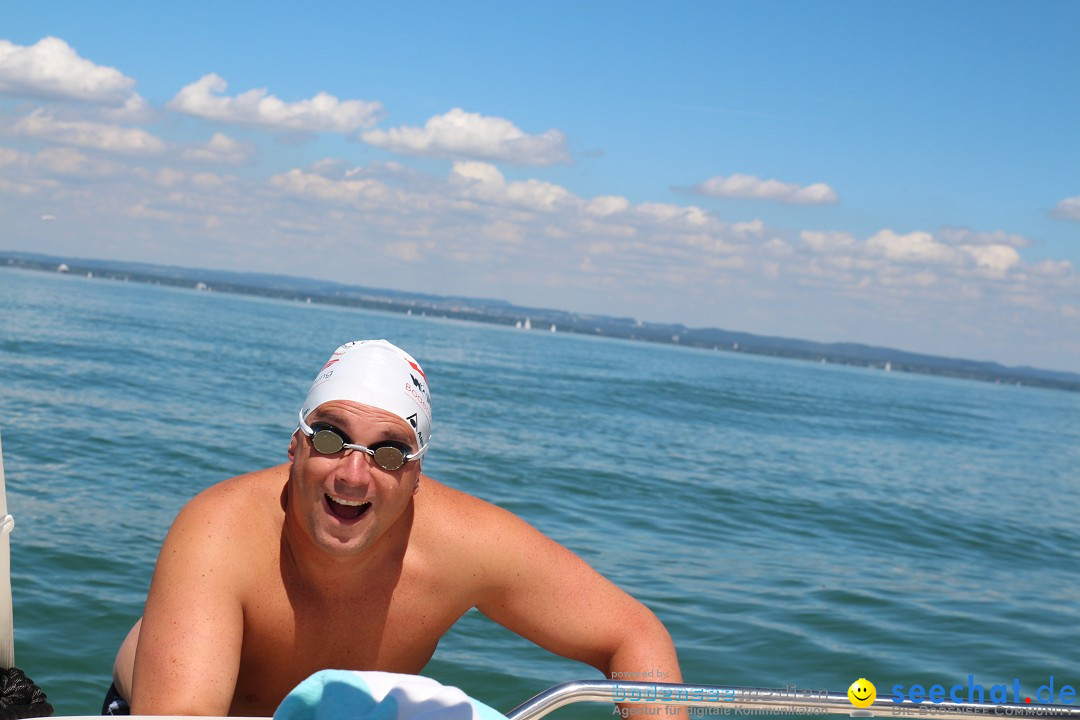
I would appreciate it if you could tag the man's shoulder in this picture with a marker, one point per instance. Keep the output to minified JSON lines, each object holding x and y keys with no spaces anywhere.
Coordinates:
{"x":245,"y":488}
{"x":457,"y":517}
{"x":498,"y":561}
{"x":244,"y":504}
{"x":437,"y":498}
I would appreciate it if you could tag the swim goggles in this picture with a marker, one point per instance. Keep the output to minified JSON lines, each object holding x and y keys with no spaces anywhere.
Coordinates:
{"x":327,"y":440}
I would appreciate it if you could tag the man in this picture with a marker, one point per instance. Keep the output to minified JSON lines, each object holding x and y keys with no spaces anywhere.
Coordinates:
{"x":349,"y":557}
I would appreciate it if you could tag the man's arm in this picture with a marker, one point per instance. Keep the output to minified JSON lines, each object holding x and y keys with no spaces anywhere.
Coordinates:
{"x":188,"y":654}
{"x":542,"y":591}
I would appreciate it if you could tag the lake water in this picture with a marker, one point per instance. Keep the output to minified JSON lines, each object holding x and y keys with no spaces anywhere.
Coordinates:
{"x":791,"y":523}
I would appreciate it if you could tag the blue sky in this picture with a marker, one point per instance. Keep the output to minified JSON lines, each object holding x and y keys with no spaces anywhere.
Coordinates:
{"x":902,"y":174}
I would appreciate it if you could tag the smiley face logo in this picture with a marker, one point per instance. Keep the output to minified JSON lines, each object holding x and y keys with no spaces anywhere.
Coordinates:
{"x":862,"y":693}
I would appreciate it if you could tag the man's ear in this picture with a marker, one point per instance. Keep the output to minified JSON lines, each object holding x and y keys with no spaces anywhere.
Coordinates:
{"x":416,"y":487}
{"x":293,"y":443}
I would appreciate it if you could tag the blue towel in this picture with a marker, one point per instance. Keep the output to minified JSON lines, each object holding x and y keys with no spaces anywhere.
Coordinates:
{"x":352,"y":695}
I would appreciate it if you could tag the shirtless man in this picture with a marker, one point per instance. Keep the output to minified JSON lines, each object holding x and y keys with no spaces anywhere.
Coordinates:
{"x":349,"y":557}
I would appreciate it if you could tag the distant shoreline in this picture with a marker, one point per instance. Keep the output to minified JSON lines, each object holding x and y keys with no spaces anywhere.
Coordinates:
{"x":541,"y":320}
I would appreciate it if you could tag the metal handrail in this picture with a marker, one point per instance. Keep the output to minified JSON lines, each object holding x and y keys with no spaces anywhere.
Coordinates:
{"x":780,"y":700}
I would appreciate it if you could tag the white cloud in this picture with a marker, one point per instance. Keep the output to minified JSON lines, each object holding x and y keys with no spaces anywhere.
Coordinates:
{"x":405,"y":251}
{"x":134,"y":110}
{"x":167,"y":177}
{"x":753,"y":188}
{"x":51,"y":68}
{"x":482,"y":176}
{"x":476,"y":215}
{"x":916,"y":247}
{"x":996,"y":260}
{"x":1068,"y":209}
{"x":64,"y":161}
{"x":322,"y":113}
{"x":776,"y":246}
{"x":605,"y":205}
{"x":966,"y":236}
{"x":459,"y":134}
{"x":827,"y":241}
{"x":484,"y":181}
{"x":1053,"y":268}
{"x":504,"y":231}
{"x":16,"y":188}
{"x":539,"y":195}
{"x":298,"y":182}
{"x":42,"y":167}
{"x":221,"y":150}
{"x":991,"y":260}
{"x":111,"y":138}
{"x":751,"y":230}
{"x":210,"y":181}
{"x":10,"y":156}
{"x":142,"y":210}
{"x":671,"y":213}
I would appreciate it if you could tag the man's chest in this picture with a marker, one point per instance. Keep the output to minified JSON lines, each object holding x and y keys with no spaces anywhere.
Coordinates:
{"x":290,"y":634}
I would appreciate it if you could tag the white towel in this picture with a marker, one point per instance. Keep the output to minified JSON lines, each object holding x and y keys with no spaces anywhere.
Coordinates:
{"x":353,"y":695}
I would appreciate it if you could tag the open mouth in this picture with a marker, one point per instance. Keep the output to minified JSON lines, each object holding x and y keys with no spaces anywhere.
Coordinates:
{"x":346,"y":509}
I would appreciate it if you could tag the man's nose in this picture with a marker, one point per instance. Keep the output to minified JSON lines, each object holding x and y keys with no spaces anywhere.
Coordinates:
{"x":356,"y":465}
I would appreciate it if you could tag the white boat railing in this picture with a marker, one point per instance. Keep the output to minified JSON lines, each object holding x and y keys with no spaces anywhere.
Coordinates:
{"x":707,"y":700}
{"x":737,"y":700}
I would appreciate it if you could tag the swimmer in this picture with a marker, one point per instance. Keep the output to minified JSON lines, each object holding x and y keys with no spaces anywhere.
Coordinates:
{"x":349,"y":557}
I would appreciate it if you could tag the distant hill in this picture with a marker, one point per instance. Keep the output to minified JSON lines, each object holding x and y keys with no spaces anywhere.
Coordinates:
{"x":501,"y":312}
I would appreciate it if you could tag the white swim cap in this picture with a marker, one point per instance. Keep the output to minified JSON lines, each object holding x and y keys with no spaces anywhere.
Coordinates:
{"x":379,"y":374}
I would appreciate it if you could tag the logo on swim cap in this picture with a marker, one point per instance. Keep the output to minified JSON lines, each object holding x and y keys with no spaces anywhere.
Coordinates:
{"x":379,"y":374}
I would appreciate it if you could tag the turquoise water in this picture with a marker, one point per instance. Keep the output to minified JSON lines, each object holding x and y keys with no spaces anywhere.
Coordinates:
{"x":791,"y":523}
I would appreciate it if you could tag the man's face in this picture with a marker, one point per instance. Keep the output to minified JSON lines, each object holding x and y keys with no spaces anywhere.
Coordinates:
{"x":344,"y":503}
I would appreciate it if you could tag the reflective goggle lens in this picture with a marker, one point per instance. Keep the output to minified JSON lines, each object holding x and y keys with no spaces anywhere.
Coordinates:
{"x":327,"y":442}
{"x":389,"y":458}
